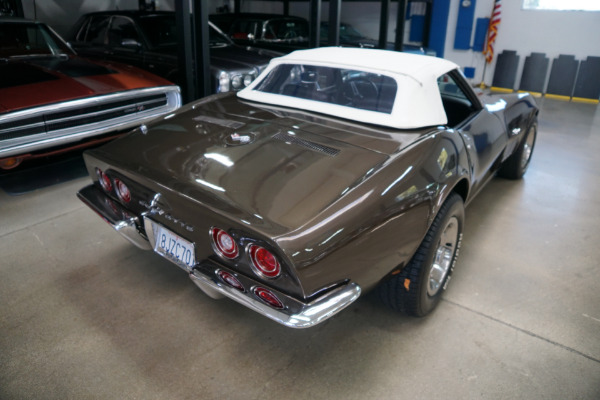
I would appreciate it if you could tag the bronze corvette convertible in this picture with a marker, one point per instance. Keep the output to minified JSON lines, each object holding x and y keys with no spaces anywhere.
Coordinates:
{"x":338,"y":170}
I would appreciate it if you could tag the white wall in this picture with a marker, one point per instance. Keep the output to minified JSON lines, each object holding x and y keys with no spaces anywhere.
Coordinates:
{"x":552,"y":32}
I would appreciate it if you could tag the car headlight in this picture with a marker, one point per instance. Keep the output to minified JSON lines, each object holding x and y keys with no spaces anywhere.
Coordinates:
{"x":248,"y":79}
{"x":236,"y":82}
{"x":224,"y":82}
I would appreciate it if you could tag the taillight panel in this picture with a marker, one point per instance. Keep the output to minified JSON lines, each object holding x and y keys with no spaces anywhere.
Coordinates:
{"x":224,"y":244}
{"x":263,"y":262}
{"x":122,"y":191}
{"x":231,"y":280}
{"x":234,"y":246}
{"x":267,"y":296}
{"x":121,"y":188}
{"x":104,"y":180}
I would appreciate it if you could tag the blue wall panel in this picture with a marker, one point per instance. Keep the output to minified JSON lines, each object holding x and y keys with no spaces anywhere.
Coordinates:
{"x":439,"y":25}
{"x":417,"y":24}
{"x":469,"y":72}
{"x":464,"y":26}
{"x":481,"y":28}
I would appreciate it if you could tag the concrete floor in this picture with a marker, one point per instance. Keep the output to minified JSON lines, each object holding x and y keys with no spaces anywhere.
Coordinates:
{"x":83,"y":314}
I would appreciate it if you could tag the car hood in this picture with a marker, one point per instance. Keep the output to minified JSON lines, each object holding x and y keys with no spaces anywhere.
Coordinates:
{"x":34,"y":81}
{"x":226,"y":57}
{"x":257,"y":164}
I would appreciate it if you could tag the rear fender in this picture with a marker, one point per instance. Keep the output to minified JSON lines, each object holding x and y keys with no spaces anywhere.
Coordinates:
{"x":385,"y":218}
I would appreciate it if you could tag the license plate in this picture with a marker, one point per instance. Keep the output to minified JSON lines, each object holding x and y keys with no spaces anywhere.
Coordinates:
{"x":174,"y":247}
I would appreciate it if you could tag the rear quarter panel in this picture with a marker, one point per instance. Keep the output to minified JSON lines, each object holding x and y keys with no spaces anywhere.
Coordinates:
{"x":377,"y":227}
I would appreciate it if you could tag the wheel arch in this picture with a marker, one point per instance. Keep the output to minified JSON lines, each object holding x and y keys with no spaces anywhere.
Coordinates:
{"x":462,"y":189}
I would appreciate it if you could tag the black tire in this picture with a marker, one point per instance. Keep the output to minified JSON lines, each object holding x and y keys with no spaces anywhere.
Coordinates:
{"x":515,"y":166}
{"x":418,"y":288}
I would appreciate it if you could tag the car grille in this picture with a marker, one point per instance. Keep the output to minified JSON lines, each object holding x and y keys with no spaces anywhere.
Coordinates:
{"x":50,"y":121}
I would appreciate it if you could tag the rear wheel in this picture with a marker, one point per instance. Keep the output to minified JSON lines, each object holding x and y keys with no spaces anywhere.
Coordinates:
{"x":516,"y":165}
{"x":417,"y":289}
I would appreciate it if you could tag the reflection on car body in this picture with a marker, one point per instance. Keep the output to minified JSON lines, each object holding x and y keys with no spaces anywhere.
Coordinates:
{"x":337,"y":171}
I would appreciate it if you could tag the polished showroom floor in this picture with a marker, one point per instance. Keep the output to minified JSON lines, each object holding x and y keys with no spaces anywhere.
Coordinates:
{"x":84,"y":314}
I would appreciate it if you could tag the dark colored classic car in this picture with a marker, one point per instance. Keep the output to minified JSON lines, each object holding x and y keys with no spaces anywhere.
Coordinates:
{"x":289,"y":33}
{"x":350,"y":36}
{"x":148,"y":40}
{"x":337,"y":171}
{"x":52,"y":101}
{"x":270,"y":31}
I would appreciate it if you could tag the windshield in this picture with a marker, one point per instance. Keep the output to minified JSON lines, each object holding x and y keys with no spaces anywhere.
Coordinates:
{"x":26,"y":39}
{"x":347,"y":32}
{"x":350,"y":32}
{"x":161,"y":31}
{"x":350,"y":88}
{"x":285,"y":29}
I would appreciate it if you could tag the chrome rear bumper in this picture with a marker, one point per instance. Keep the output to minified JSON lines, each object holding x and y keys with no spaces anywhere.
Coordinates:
{"x":294,"y":314}
{"x":115,"y":215}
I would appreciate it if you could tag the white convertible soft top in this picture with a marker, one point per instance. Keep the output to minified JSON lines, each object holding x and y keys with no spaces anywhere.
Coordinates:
{"x":417,"y":103}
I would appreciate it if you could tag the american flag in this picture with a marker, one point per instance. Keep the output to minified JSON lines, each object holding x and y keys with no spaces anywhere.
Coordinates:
{"x":493,"y":31}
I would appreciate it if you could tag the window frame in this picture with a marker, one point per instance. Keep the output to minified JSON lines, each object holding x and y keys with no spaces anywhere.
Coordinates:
{"x":528,"y":5}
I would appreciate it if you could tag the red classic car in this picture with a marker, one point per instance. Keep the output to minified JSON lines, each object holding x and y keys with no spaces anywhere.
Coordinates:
{"x":53,"y":101}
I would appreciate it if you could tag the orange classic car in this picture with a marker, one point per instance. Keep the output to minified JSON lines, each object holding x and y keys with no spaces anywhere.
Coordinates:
{"x":53,"y":101}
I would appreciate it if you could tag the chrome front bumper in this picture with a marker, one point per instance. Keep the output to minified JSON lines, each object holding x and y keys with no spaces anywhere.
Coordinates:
{"x":53,"y":134}
{"x":294,"y":314}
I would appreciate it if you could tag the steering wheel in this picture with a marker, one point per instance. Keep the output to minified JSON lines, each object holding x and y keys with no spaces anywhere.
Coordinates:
{"x":290,"y":35}
{"x":358,"y":89}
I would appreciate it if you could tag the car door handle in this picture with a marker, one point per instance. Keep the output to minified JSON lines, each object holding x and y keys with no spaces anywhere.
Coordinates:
{"x":516,"y":131}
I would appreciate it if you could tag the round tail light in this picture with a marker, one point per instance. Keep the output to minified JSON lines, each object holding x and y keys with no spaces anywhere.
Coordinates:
{"x":104,"y":180}
{"x":122,"y":191}
{"x":224,"y":243}
{"x":268,"y":297}
{"x":264,"y":262}
{"x":231,"y":280}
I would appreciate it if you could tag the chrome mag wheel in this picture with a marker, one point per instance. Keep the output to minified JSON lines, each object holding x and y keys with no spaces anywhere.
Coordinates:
{"x":444,"y":256}
{"x":528,"y":147}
